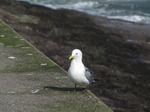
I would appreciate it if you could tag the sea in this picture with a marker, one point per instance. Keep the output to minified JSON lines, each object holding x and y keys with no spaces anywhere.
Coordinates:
{"x":130,"y":10}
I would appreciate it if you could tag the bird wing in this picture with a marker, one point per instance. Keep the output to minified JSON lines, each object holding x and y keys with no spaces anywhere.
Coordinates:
{"x":88,"y":75}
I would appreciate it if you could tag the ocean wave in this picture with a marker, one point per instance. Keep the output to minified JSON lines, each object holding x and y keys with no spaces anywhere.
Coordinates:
{"x":96,"y":8}
{"x":132,"y":18}
{"x":76,"y":6}
{"x":83,"y":5}
{"x":117,"y":9}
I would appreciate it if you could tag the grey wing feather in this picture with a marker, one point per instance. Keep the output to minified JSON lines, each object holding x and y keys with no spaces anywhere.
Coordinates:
{"x":88,"y":75}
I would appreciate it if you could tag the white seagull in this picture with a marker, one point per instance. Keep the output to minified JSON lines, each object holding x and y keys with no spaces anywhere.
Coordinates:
{"x":78,"y":73}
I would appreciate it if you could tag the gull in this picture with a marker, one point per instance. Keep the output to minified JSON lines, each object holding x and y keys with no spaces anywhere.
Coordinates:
{"x":77,"y":72}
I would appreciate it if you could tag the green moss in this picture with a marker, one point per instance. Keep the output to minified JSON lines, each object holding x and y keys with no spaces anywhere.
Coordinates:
{"x":10,"y":38}
{"x":24,"y":62}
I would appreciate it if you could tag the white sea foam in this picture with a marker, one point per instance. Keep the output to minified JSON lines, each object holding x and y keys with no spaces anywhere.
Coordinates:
{"x":82,"y":5}
{"x":76,"y":6}
{"x":132,"y":18}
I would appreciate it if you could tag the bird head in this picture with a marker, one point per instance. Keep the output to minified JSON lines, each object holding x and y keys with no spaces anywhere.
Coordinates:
{"x":76,"y":54}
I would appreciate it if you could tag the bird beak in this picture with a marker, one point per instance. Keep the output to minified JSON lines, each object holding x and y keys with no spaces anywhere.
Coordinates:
{"x":71,"y":57}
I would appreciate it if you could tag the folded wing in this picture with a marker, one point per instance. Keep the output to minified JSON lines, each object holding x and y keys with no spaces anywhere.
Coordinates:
{"x":88,"y":75}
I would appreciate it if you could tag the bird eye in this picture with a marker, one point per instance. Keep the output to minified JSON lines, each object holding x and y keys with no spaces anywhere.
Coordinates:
{"x":76,"y":53}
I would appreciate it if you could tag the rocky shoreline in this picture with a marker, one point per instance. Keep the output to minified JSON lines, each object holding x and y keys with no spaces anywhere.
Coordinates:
{"x":117,"y":51}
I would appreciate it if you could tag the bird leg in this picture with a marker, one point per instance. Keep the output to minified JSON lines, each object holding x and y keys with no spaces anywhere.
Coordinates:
{"x":75,"y":87}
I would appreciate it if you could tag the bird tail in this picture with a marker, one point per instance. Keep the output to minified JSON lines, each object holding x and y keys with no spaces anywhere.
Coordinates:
{"x":95,"y":79}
